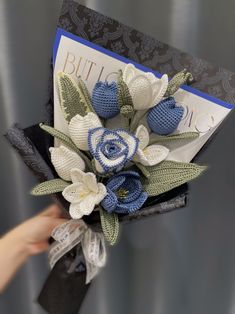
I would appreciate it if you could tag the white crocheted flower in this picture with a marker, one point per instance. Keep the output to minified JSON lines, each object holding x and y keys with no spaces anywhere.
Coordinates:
{"x":111,"y":149}
{"x":84,"y":193}
{"x":79,"y":127}
{"x":148,"y":155}
{"x":64,"y":159}
{"x":145,"y":88}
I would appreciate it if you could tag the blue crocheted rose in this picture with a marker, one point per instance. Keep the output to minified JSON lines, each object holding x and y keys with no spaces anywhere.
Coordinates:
{"x":111,"y":149}
{"x":105,"y":99}
{"x":124,"y":193}
{"x":165,"y":117}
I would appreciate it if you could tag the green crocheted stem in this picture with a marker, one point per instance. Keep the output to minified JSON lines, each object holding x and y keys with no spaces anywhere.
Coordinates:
{"x":74,"y":97}
{"x":143,"y":169}
{"x":66,"y":141}
{"x":170,"y":174}
{"x":110,"y":226}
{"x":124,"y":98}
{"x":178,"y":80}
{"x":49,"y":187}
{"x":160,"y":139}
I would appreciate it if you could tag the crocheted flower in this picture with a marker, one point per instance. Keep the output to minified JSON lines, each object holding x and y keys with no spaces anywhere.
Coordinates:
{"x":124,"y":193}
{"x":111,"y":149}
{"x":105,"y":99}
{"x":64,"y":159}
{"x":79,"y":127}
{"x":148,"y":155}
{"x":84,"y":193}
{"x":145,"y":88}
{"x":164,"y":118}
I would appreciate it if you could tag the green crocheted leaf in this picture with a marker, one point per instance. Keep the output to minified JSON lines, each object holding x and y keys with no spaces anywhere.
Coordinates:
{"x":49,"y":187}
{"x":168,"y":175}
{"x":66,"y":141}
{"x":179,"y":79}
{"x":124,"y":98}
{"x":160,"y":139}
{"x":74,"y":98}
{"x":110,"y":226}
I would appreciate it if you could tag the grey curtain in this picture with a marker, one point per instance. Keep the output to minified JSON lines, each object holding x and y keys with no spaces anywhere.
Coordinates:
{"x":181,"y":262}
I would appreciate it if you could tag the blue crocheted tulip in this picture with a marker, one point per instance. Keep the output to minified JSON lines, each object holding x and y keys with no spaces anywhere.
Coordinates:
{"x":105,"y":99}
{"x":165,"y":117}
{"x":124,"y":193}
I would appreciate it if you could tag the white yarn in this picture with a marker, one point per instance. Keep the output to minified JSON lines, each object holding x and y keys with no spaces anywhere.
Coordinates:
{"x":64,"y":159}
{"x":145,"y":88}
{"x":79,"y":127}
{"x":148,"y":155}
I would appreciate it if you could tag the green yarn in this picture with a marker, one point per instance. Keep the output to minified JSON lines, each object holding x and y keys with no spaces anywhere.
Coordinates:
{"x":74,"y":98}
{"x":143,"y":169}
{"x":66,"y":141}
{"x":161,"y":139}
{"x":110,"y":226}
{"x":49,"y":187}
{"x":168,"y":175}
{"x":179,"y":79}
{"x":124,"y":98}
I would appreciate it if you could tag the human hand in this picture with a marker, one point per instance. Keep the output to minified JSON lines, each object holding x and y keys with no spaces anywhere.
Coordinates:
{"x":33,"y":234}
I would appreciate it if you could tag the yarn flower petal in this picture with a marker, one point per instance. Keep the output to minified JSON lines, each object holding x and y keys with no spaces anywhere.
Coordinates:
{"x":79,"y":127}
{"x":145,"y":89}
{"x":84,"y":193}
{"x":111,"y":149}
{"x":64,"y":159}
{"x":148,"y":155}
{"x":124,"y":193}
{"x":105,"y":99}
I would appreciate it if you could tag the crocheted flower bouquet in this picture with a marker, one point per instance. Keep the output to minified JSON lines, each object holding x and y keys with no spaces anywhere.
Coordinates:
{"x":116,"y":153}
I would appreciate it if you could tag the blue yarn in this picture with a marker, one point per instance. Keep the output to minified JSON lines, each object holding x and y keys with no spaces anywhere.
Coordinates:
{"x":129,"y":182}
{"x":105,"y":99}
{"x":165,"y":117}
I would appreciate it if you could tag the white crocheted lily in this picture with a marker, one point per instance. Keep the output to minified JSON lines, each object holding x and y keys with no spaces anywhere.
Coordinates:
{"x":111,"y":149}
{"x":64,"y":159}
{"x":79,"y":127}
{"x":84,"y":193}
{"x":145,"y":88}
{"x":148,"y":155}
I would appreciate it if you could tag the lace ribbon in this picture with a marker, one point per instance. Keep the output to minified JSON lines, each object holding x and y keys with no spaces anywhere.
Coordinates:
{"x":70,"y":234}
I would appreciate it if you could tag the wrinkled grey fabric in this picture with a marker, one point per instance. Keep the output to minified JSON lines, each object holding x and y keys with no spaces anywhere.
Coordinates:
{"x":181,"y":262}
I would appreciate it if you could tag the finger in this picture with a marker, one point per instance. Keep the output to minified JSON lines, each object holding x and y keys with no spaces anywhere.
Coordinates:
{"x":52,"y":211}
{"x":56,"y":222}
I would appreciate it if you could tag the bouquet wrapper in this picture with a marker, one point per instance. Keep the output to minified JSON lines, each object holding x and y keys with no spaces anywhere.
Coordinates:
{"x":64,"y":289}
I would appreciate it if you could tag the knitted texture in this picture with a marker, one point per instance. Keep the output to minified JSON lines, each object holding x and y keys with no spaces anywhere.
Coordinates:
{"x":148,"y":155}
{"x":168,"y":175}
{"x":79,"y":127}
{"x":186,"y":136}
{"x":74,"y":98}
{"x":179,"y":79}
{"x":105,"y":99}
{"x":164,"y":118}
{"x":124,"y":98}
{"x":84,"y":193}
{"x":145,"y":89}
{"x":66,"y":141}
{"x":64,"y":160}
{"x":110,"y":226}
{"x":49,"y":187}
{"x":124,"y":193}
{"x":111,"y":149}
